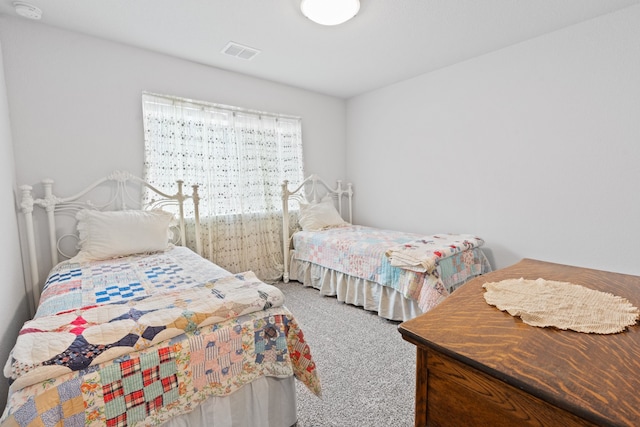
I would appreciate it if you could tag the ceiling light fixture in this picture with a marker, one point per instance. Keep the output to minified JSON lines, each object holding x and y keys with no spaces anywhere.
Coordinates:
{"x":330,"y":12}
{"x":27,"y":10}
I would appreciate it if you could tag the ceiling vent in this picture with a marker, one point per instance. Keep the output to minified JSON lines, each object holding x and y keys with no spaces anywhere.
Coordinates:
{"x":240,"y":51}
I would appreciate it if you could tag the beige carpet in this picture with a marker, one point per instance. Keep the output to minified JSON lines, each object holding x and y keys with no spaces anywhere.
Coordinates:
{"x":366,"y":368}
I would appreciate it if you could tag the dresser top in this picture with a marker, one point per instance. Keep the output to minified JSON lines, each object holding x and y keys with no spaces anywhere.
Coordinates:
{"x":596,"y":377}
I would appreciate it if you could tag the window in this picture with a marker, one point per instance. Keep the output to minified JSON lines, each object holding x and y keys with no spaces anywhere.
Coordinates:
{"x":239,"y":158}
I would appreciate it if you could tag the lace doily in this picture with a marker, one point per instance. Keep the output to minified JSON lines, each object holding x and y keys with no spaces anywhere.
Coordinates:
{"x":562,"y":305}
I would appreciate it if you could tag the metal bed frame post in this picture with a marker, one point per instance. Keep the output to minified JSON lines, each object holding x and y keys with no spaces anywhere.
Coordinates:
{"x":285,"y":230}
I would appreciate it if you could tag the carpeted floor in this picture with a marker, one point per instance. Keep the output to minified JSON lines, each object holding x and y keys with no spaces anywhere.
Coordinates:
{"x":366,"y":368}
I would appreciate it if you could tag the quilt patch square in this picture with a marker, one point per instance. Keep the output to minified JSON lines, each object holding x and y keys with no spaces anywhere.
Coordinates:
{"x":134,"y":398}
{"x":165,"y":355}
{"x":157,"y":271}
{"x":133,"y":392}
{"x":217,"y":356}
{"x":167,"y":369}
{"x":171,"y":396}
{"x":137,"y":413}
{"x":62,"y":289}
{"x":150,"y":375}
{"x":119,"y":292}
{"x":169,"y":383}
{"x":112,"y":391}
{"x":153,"y":390}
{"x":77,"y":420}
{"x":115,"y":407}
{"x":169,"y":276}
{"x":110,"y":373}
{"x":59,"y":303}
{"x":70,"y":390}
{"x":130,"y":367}
{"x":132,"y":383}
{"x":154,"y":404}
{"x":64,"y":276}
{"x":51,"y":416}
{"x":73,"y":407}
{"x":109,"y":267}
{"x":52,"y":405}
{"x":150,"y":360}
{"x":270,"y":341}
{"x":26,"y":414}
{"x":117,"y":421}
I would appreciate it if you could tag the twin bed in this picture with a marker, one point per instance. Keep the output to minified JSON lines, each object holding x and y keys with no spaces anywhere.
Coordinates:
{"x":396,"y":274}
{"x":136,"y":329}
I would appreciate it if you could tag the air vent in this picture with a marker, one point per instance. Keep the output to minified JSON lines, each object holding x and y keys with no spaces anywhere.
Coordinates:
{"x":240,"y":51}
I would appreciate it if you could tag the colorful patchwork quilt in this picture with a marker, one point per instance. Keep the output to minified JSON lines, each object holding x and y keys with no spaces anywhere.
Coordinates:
{"x":148,"y":341}
{"x":360,"y":251}
{"x":422,"y":255}
{"x":71,"y":285}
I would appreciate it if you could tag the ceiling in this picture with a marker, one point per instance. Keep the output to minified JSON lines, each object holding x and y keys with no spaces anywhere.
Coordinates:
{"x":388,"y":41}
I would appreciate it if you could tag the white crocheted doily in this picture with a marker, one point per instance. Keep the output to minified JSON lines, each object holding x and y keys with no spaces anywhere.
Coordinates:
{"x":562,"y":305}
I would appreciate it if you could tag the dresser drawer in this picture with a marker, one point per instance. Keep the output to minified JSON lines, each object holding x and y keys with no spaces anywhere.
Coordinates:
{"x":460,"y":395}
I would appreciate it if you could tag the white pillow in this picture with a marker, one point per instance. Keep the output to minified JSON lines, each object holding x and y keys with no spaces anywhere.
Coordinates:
{"x":317,"y":216}
{"x":113,"y":234}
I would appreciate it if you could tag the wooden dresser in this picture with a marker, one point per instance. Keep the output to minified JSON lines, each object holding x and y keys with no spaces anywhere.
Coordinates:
{"x":478,"y":366}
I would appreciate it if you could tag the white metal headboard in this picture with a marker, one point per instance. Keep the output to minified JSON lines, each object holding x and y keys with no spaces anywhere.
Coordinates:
{"x":123,"y":192}
{"x":312,"y":189}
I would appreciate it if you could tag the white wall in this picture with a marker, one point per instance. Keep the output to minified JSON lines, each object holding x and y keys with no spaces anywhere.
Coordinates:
{"x":534,"y":147}
{"x":14,"y":309}
{"x":76,"y":104}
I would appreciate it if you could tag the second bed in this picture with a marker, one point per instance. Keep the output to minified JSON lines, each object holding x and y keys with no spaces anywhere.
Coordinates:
{"x":399,"y":275}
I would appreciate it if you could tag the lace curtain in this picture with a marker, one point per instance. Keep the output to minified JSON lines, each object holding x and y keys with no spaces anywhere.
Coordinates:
{"x":239,"y":158}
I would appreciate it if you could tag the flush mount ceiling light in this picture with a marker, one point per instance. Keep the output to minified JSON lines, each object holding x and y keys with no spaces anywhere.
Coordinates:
{"x":27,"y":10}
{"x":330,"y":12}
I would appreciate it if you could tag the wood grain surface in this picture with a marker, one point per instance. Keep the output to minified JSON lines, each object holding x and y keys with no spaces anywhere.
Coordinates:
{"x":593,"y":377}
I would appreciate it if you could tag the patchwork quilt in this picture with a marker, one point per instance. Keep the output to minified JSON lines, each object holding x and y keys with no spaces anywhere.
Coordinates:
{"x":360,"y":251}
{"x":142,"y":350}
{"x":71,"y":285}
{"x":422,"y":255}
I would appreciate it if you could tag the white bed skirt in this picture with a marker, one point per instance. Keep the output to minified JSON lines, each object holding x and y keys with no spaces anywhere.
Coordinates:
{"x":265,"y":402}
{"x":387,"y":302}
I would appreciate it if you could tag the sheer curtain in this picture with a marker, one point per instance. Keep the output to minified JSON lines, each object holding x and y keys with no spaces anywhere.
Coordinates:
{"x":239,"y":158}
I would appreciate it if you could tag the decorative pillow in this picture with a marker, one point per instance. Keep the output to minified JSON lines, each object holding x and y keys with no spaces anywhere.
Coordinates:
{"x":316,"y":216}
{"x":113,"y":234}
